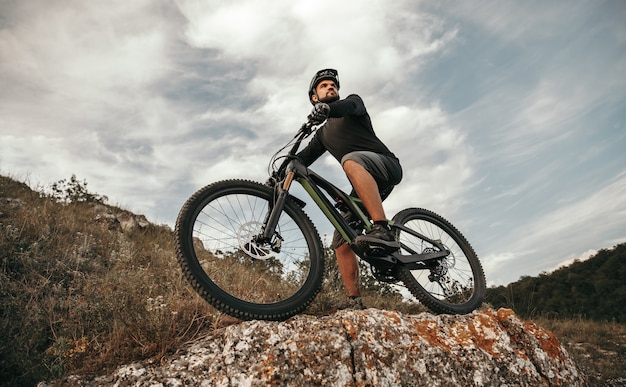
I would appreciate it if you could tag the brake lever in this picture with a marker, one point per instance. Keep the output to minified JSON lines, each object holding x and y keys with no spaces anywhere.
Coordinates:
{"x":310,"y":127}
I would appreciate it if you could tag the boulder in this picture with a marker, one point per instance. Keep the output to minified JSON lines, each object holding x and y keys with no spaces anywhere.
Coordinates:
{"x":362,"y":348}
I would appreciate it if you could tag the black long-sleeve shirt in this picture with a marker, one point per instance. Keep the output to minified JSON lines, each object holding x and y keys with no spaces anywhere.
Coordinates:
{"x":348,"y":129}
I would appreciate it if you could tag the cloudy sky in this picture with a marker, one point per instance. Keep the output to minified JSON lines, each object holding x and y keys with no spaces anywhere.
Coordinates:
{"x":509,"y":117}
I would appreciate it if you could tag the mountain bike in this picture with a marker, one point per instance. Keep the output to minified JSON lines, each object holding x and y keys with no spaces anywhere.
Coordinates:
{"x":250,"y":250}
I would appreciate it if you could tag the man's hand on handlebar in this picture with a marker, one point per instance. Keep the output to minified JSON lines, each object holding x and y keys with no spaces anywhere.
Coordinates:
{"x":319,"y":113}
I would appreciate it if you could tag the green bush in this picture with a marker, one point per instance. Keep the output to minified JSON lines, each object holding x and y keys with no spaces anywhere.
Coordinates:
{"x":74,"y":191}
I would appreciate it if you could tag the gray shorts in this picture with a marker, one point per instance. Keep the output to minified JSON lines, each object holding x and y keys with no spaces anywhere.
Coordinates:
{"x":386,"y":171}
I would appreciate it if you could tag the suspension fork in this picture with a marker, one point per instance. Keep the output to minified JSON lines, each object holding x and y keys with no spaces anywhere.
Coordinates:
{"x":279,"y":203}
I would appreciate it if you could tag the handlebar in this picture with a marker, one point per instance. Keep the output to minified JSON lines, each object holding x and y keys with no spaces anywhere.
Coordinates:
{"x":305,"y":130}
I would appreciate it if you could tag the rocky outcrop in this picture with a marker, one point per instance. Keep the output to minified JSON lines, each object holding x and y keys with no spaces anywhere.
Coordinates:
{"x":363,"y":348}
{"x":123,"y":221}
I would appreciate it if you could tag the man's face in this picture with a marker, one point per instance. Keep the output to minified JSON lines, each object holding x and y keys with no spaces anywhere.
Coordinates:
{"x":326,"y":91}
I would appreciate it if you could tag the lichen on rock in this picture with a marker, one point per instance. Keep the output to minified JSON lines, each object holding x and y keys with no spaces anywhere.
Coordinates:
{"x":364,"y":348}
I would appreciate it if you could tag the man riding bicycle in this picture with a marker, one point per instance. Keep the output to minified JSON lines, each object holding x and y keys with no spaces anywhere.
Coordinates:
{"x":373,"y":170}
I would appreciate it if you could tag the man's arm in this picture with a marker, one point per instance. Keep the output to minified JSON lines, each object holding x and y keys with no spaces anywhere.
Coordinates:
{"x":352,"y":105}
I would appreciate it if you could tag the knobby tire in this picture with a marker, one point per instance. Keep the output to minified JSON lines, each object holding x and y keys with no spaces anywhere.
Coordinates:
{"x":215,"y":249}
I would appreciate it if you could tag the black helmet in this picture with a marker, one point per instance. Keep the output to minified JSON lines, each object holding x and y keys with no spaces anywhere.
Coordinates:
{"x":321,"y":76}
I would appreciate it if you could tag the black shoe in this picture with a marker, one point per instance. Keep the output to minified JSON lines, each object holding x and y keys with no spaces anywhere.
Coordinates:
{"x":354,"y":303}
{"x":379,"y":240}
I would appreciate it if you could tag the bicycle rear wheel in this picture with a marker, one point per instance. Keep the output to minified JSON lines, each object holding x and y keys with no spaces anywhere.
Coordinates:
{"x":221,"y":255}
{"x":454,"y":284}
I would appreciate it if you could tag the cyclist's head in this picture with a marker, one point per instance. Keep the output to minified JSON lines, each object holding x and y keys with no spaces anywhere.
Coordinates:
{"x":323,"y":75}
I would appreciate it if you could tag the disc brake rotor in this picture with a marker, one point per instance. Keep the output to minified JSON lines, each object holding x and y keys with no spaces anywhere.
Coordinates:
{"x":440,"y":273}
{"x":246,"y":235}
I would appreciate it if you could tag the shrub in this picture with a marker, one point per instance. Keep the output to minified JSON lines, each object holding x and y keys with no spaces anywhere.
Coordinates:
{"x":74,"y":191}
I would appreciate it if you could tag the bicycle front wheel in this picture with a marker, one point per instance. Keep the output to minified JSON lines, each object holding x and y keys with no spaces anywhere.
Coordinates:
{"x":453,"y":284}
{"x":221,"y":253}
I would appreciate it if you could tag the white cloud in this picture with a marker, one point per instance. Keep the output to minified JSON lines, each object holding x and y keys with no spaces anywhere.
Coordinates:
{"x":594,"y":222}
{"x":576,"y":258}
{"x":593,"y":217}
{"x":495,"y":267}
{"x":81,"y":72}
{"x":519,"y":22}
{"x":288,"y":40}
{"x":79,"y":49}
{"x":436,"y":161}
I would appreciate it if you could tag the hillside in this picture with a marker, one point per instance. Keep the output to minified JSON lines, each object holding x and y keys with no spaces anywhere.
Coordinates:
{"x":592,"y":289}
{"x":86,"y":287}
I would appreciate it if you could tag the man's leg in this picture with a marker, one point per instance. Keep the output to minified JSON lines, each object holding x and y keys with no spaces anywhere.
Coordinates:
{"x":379,"y":240}
{"x":366,"y":188}
{"x":349,"y":269}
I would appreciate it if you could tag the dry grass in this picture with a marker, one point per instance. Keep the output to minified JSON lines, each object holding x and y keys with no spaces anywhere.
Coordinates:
{"x":80,"y":296}
{"x":599,"y":348}
{"x":77,"y":295}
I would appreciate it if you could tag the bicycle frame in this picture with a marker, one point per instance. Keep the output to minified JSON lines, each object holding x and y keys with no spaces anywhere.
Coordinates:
{"x":265,"y":231}
{"x":313,"y":184}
